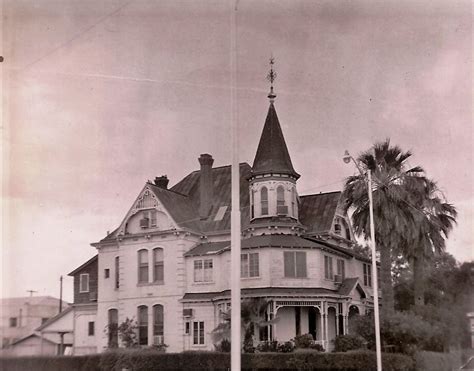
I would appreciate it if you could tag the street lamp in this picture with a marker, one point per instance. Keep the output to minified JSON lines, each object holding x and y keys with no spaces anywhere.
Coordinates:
{"x":348,"y":158}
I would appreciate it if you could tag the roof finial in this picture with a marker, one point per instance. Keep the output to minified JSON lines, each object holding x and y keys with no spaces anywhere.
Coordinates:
{"x":271,"y":77}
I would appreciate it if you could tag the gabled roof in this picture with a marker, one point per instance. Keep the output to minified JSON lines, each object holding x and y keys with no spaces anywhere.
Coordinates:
{"x":179,"y":206}
{"x":92,"y":260}
{"x":30,"y":336}
{"x":33,"y":301}
{"x":348,"y":286}
{"x":272,"y":153}
{"x":317,"y":211}
{"x":54,"y":319}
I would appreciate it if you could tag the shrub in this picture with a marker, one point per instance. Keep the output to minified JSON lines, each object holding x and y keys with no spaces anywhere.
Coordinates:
{"x":303,"y":341}
{"x":286,"y":347}
{"x":268,"y":346}
{"x":224,"y":346}
{"x":317,"y":347}
{"x":435,"y":361}
{"x":344,"y":343}
{"x":406,"y":331}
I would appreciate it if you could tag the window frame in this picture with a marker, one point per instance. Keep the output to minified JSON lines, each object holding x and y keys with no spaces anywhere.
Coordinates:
{"x":143,"y":267}
{"x":81,"y":277}
{"x":245,"y":266}
{"x":91,"y":328}
{"x":199,"y":338}
{"x":293,"y":264}
{"x":158,"y":264}
{"x":367,"y":273}
{"x":142,"y":325}
{"x":117,"y":272}
{"x":13,"y":322}
{"x":264,"y":210}
{"x":106,"y":273}
{"x":328,"y":268}
{"x":341,"y":263}
{"x":201,"y":273}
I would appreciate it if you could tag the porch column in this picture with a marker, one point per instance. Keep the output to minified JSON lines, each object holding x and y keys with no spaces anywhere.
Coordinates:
{"x":326,"y":332}
{"x":346,"y":325}
{"x":321,"y":320}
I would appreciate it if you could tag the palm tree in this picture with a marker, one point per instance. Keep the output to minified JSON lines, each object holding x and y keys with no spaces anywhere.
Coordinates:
{"x":434,"y":218}
{"x":394,"y":221}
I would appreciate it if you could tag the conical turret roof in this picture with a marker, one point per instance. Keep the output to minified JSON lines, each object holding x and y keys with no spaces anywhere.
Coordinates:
{"x":272,"y":154}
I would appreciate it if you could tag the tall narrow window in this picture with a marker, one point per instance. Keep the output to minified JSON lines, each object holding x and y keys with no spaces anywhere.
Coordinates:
{"x":143,"y":325}
{"x":91,"y":329}
{"x":341,"y":269}
{"x":252,"y":200}
{"x":295,"y":264}
{"x":264,"y":200}
{"x":153,"y":218}
{"x":158,"y":324}
{"x":367,"y":275}
{"x":112,"y":328}
{"x":282,"y":209}
{"x":328,"y":270}
{"x":294,"y":203}
{"x":143,"y":266}
{"x":198,"y":333}
{"x":84,"y":282}
{"x":117,"y":272}
{"x":249,"y":265}
{"x":158,"y":265}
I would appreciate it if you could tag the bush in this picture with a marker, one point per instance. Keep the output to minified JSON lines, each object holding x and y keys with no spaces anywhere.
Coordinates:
{"x":286,"y":347}
{"x":317,"y":347}
{"x":406,"y":331}
{"x":303,"y":341}
{"x":224,"y":346}
{"x":434,"y":361}
{"x":268,"y":346}
{"x":147,"y":359}
{"x":344,"y":343}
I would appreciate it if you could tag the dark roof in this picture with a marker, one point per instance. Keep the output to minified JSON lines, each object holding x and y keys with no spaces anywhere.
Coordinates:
{"x":221,"y":180}
{"x":263,"y":291}
{"x":317,"y":211}
{"x":54,"y":319}
{"x":180,"y":207}
{"x":87,"y":263}
{"x":270,"y":240}
{"x":208,"y":248}
{"x":347,"y":286}
{"x":272,"y":153}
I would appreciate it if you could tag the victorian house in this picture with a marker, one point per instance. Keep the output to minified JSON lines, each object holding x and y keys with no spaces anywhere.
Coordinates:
{"x":167,"y":264}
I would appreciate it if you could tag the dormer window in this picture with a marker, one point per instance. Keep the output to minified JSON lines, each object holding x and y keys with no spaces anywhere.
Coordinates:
{"x":264,"y":200}
{"x":337,"y":228}
{"x":282,"y":209}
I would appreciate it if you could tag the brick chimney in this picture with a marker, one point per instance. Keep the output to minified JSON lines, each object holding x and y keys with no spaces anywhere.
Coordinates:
{"x":205,"y":185}
{"x":162,"y":181}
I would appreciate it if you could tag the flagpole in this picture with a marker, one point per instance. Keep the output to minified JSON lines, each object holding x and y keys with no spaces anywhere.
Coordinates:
{"x":235,"y":230}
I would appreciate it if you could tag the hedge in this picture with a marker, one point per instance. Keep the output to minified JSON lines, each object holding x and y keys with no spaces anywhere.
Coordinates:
{"x":213,"y":361}
{"x":434,"y":361}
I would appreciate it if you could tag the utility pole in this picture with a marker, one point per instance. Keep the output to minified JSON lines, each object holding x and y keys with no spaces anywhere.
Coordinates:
{"x":60,"y":293}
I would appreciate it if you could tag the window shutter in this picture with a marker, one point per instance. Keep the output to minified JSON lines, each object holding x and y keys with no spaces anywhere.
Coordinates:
{"x":300,"y":264}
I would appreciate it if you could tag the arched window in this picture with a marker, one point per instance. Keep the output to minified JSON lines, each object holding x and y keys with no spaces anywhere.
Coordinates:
{"x":158,"y":324}
{"x":143,"y":266}
{"x":252,"y":200}
{"x":158,"y":265}
{"x":264,"y":201}
{"x":112,"y":328}
{"x":281,"y":208}
{"x":117,"y":272}
{"x":142,"y":325}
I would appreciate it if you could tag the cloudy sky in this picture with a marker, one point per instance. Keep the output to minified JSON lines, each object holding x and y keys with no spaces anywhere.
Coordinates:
{"x":100,"y":96}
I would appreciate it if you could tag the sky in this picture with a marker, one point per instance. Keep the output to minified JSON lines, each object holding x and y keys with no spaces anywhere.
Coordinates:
{"x":100,"y":96}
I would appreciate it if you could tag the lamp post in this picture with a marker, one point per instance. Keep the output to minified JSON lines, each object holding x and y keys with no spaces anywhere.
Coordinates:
{"x":348,"y":158}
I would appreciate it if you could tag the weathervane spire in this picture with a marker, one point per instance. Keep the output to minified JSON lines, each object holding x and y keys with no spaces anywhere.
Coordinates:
{"x":271,"y":77}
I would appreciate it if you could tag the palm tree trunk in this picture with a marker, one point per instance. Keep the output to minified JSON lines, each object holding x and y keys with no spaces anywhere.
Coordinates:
{"x":418,"y":278}
{"x":388,"y":303}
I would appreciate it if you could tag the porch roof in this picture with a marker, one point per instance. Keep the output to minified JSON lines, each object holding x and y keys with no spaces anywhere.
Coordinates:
{"x":262,"y":292}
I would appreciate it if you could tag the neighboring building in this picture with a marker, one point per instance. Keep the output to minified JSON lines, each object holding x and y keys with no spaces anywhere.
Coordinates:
{"x":167,"y":264}
{"x":21,"y":316}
